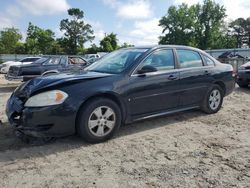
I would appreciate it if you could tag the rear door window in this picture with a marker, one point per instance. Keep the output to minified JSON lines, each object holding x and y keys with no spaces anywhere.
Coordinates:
{"x":189,"y":59}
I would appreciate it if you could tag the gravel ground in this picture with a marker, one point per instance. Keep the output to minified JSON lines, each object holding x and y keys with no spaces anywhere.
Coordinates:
{"x":189,"y":149}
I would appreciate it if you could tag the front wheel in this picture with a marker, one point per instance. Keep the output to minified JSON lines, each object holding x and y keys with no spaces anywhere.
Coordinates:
{"x":98,"y":120}
{"x":213,"y":100}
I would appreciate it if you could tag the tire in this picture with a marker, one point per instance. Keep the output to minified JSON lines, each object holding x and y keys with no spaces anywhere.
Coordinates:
{"x":213,"y":100}
{"x":243,"y":85}
{"x":98,"y":120}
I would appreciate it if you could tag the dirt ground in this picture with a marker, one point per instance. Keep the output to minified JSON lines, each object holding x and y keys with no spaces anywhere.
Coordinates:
{"x":189,"y":149}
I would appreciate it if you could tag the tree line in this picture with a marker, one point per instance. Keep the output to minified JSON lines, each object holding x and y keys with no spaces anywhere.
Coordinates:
{"x":201,"y":25}
{"x":204,"y":26}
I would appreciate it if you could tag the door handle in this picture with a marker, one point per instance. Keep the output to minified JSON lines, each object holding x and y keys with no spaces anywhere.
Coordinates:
{"x":172,"y":77}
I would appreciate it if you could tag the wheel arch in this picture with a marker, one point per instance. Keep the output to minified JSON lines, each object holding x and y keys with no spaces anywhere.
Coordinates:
{"x":50,"y":71}
{"x":222,"y":86}
{"x":112,"y":96}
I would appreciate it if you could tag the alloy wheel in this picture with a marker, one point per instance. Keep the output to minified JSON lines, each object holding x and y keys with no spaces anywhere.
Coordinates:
{"x":214,"y":99}
{"x":102,"y":121}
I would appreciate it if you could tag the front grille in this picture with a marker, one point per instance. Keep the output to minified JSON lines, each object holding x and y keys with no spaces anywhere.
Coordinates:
{"x":13,"y":71}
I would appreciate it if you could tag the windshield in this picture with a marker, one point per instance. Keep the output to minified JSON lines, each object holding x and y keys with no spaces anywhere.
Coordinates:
{"x":117,"y":61}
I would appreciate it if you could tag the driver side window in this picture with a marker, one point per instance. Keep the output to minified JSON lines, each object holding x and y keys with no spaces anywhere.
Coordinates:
{"x":161,"y":60}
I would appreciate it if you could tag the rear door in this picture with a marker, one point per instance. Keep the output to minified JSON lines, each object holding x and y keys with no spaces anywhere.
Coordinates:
{"x":157,"y":91}
{"x":195,"y":77}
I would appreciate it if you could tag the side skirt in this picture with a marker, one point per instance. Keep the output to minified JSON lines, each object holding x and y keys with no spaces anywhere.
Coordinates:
{"x":164,"y":113}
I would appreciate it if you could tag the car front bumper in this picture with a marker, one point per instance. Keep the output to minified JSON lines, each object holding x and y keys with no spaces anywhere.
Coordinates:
{"x":13,"y":78}
{"x":50,"y":121}
{"x":243,"y":76}
{"x":3,"y":70}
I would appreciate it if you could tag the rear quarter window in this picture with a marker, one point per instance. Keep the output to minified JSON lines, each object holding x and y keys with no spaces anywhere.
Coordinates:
{"x":208,"y":60}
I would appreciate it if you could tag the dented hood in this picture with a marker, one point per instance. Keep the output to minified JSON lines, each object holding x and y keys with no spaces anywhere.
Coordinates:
{"x":43,"y":82}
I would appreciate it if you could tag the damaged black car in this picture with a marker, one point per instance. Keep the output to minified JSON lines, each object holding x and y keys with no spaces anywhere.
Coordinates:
{"x":124,"y":86}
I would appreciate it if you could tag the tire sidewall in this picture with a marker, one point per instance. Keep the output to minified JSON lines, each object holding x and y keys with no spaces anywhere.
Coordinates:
{"x":207,"y":107}
{"x":86,"y":111}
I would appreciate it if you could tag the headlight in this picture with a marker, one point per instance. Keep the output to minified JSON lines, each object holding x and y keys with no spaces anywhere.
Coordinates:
{"x":48,"y":98}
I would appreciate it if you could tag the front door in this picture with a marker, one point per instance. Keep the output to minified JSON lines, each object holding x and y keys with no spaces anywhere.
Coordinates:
{"x":157,"y":91}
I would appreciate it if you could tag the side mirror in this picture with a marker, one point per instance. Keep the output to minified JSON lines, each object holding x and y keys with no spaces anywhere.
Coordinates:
{"x":146,"y":69}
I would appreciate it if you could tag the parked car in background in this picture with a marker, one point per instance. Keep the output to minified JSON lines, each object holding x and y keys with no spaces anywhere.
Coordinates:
{"x":124,"y":86}
{"x":91,"y":58}
{"x":243,"y":75}
{"x":44,"y":66}
{"x":4,"y":67}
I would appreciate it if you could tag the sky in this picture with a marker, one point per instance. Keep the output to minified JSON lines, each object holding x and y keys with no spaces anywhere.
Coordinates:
{"x":134,"y":21}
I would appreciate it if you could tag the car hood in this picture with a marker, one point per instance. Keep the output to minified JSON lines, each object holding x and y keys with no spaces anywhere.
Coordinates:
{"x":45,"y":82}
{"x":27,"y":65}
{"x":8,"y":62}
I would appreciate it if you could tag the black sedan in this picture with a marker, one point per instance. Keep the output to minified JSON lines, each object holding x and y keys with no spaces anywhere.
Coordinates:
{"x":44,"y":66}
{"x":243,"y":75}
{"x":124,"y":86}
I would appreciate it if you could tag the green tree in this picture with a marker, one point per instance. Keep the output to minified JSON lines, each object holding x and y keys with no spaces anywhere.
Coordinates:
{"x":198,"y":25}
{"x":39,"y":40}
{"x":93,"y":49}
{"x":210,"y":18}
{"x":109,"y":43}
{"x":178,"y":25}
{"x":240,"y":29}
{"x":9,"y":39}
{"x":76,"y":31}
{"x":20,"y":48}
{"x":125,"y":45}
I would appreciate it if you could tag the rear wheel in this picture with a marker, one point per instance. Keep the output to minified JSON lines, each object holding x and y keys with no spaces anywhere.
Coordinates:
{"x":98,"y":120}
{"x":213,"y":100}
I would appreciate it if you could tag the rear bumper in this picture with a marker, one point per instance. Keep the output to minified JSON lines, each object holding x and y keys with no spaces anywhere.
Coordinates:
{"x":50,"y":121}
{"x":243,"y":76}
{"x":230,"y":86}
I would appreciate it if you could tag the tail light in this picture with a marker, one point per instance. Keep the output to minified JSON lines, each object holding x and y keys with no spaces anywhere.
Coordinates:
{"x":234,"y":73}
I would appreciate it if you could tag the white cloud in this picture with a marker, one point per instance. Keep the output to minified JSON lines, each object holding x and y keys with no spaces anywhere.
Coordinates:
{"x":13,"y":11}
{"x":145,"y":32}
{"x":235,"y":9}
{"x":135,"y":10}
{"x":132,"y":9}
{"x":111,"y":3}
{"x":98,"y":32}
{"x":5,"y":22}
{"x":189,"y":2}
{"x":44,"y":7}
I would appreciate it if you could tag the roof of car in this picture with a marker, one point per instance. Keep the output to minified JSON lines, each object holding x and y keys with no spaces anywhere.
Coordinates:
{"x":166,"y":46}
